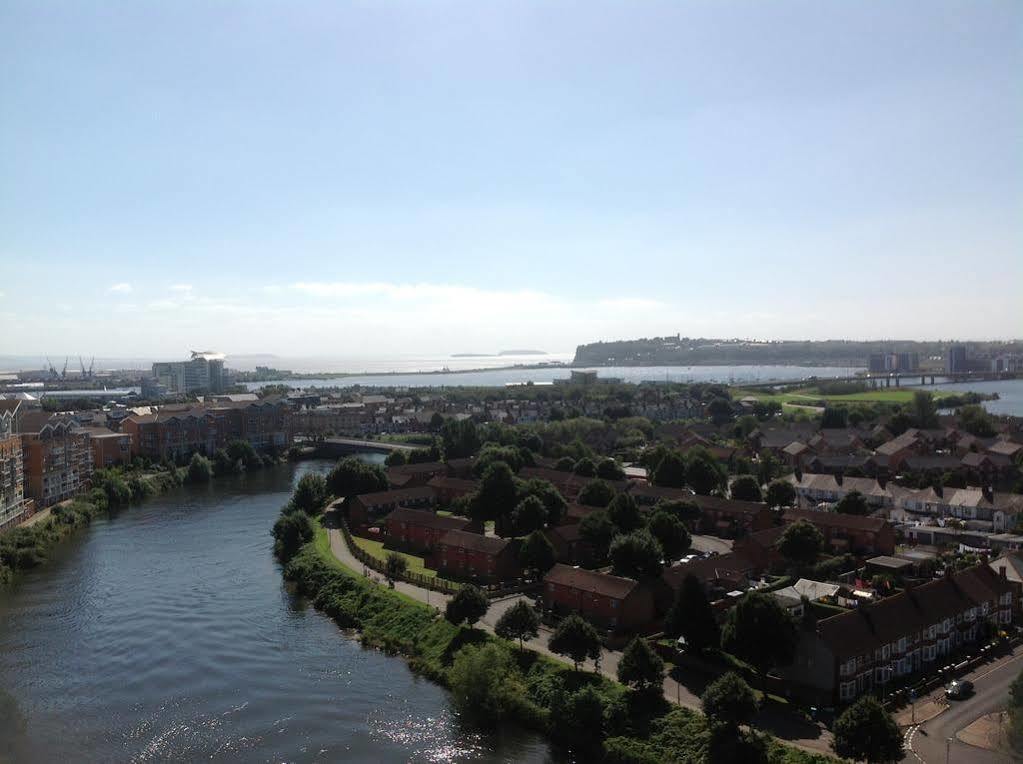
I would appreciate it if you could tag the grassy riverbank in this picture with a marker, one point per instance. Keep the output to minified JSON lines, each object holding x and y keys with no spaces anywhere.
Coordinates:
{"x":538,"y":692}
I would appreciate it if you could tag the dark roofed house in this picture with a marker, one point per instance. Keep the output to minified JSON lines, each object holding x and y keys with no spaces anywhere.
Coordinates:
{"x":471,"y":556}
{"x":411,"y":475}
{"x":731,"y":517}
{"x":988,"y":467}
{"x":449,"y":488}
{"x":648,"y":495}
{"x":419,"y":529}
{"x":621,"y":605}
{"x":569,"y":545}
{"x":719,"y":575}
{"x":370,"y":507}
{"x":849,"y":533}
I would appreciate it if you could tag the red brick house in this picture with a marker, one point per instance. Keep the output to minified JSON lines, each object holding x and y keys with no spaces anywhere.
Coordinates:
{"x":413,"y":475}
{"x":418,"y":529}
{"x":647,"y":495}
{"x":849,"y":533}
{"x":449,"y":488}
{"x":472,"y":556}
{"x":618,"y":604}
{"x":567,"y":483}
{"x":569,"y":546}
{"x":109,"y":448}
{"x":370,"y":507}
{"x":731,"y":517}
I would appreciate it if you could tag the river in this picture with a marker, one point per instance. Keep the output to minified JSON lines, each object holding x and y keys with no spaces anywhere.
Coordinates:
{"x":165,"y":632}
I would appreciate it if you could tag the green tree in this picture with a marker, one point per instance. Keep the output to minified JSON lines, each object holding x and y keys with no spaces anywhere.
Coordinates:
{"x":746,"y":488}
{"x":242,"y":451}
{"x":565,"y":464}
{"x":519,"y":622}
{"x":692,"y":617}
{"x":528,"y":516}
{"x":596,"y":493}
{"x":585,"y":468}
{"x":497,"y":496}
{"x":670,"y":533}
{"x":552,"y":499}
{"x":640,"y":667}
{"x":623,"y":512}
{"x":310,"y":493}
{"x":396,"y":458}
{"x":467,"y":606}
{"x":780,"y":493}
{"x":395,"y":566}
{"x":759,"y":631}
{"x":200,"y":470}
{"x":609,"y":469}
{"x":492,"y":453}
{"x":597,"y":530}
{"x":636,"y":555}
{"x":976,"y":421}
{"x":925,"y":411}
{"x":291,"y":532}
{"x":744,"y":425}
{"x":670,"y":472}
{"x":801,"y":543}
{"x":460,"y":438}
{"x":685,"y":510}
{"x":485,"y":683}
{"x":436,"y":422}
{"x":853,"y":503}
{"x":729,"y":702}
{"x":768,"y":467}
{"x":580,"y":719}
{"x":536,"y":554}
{"x":353,"y":477}
{"x":576,"y":639}
{"x":834,"y":418}
{"x":703,"y":472}
{"x":866,"y":732}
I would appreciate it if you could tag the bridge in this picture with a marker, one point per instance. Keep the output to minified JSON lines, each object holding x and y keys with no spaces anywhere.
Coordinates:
{"x":346,"y":446}
{"x":895,"y":379}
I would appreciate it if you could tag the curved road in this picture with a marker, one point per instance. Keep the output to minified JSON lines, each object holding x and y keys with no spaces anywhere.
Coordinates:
{"x":928,"y":741}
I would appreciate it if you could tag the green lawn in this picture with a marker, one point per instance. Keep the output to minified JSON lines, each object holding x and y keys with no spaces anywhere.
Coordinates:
{"x":809,"y":397}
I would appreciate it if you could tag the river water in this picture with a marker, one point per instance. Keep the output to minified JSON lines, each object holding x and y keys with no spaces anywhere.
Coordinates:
{"x":165,"y":633}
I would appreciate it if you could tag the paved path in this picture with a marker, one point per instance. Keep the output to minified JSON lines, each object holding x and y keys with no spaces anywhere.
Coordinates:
{"x":682,"y":688}
{"x":932,"y":741}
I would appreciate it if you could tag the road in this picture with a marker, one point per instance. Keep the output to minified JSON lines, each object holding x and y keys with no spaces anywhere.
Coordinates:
{"x":928,"y":741}
{"x":711,"y":544}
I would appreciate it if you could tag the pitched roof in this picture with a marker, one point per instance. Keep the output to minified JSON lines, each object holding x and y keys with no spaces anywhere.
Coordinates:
{"x":728,"y":506}
{"x":455,"y":484}
{"x":475,"y":542}
{"x":733,"y":566}
{"x":604,"y":584}
{"x":401,"y":494}
{"x":837,"y":519}
{"x":426,"y":519}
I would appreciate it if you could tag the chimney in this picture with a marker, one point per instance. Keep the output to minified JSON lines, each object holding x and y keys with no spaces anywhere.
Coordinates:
{"x":1001,"y":571}
{"x":882,"y":481}
{"x":838,"y":478}
{"x":989,"y":493}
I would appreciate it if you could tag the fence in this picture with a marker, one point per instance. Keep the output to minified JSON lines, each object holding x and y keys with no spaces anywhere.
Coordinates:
{"x":380,"y":566}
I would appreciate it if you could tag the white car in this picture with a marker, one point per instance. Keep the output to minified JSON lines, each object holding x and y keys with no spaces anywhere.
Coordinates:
{"x":957,"y":690}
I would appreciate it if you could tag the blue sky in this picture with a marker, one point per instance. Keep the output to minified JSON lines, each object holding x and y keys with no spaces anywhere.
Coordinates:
{"x":431,"y":177}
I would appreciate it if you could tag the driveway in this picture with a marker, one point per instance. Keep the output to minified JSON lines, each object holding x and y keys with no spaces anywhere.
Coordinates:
{"x":711,"y":544}
{"x":931,"y":741}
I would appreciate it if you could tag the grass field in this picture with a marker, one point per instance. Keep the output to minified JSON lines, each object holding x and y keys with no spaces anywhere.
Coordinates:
{"x":416,"y":564}
{"x":809,"y":397}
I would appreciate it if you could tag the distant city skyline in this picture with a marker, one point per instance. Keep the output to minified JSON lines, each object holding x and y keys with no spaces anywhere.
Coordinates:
{"x":426,"y":179}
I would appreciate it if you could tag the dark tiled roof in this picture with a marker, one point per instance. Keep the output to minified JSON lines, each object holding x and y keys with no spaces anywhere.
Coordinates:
{"x":729,"y":506}
{"x":402,"y":494}
{"x":456,"y":484}
{"x":474,"y":542}
{"x":425,"y":519}
{"x":837,"y":519}
{"x":606,"y":585}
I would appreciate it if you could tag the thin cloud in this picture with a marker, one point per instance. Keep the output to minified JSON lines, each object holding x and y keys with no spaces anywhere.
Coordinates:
{"x":180,"y":287}
{"x":122,"y":288}
{"x":630,"y":303}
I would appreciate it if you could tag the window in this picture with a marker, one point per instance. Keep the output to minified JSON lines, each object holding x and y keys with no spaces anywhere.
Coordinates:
{"x":847,"y":690}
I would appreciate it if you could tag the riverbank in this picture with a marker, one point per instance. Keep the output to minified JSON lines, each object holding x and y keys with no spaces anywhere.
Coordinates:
{"x":540,"y":692}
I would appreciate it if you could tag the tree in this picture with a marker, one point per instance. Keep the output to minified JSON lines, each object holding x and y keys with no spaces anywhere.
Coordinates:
{"x":746,"y":488}
{"x":436,"y":422}
{"x":720,"y":410}
{"x":780,"y":493}
{"x":852,"y":503}
{"x":467,"y":606}
{"x":580,"y":718}
{"x":636,"y":555}
{"x":801,"y":543}
{"x":291,"y":532}
{"x":498,"y":493}
{"x":640,"y":667}
{"x":596,"y":493}
{"x":609,"y":469}
{"x":834,"y":418}
{"x":575,"y":639}
{"x":353,"y":477}
{"x":760,"y":632}
{"x":492,"y":453}
{"x":565,"y":464}
{"x":551,"y":497}
{"x":395,"y":459}
{"x":925,"y":411}
{"x":597,"y":530}
{"x":485,"y":682}
{"x":866,"y":732}
{"x":768,"y":467}
{"x":976,"y":421}
{"x":691,"y":617}
{"x":200,"y":470}
{"x":686,"y":511}
{"x":395,"y":566}
{"x":670,"y":472}
{"x":703,"y":472}
{"x":460,"y":438}
{"x":424,"y":455}
{"x":242,"y":450}
{"x":310,"y":493}
{"x":518,"y":622}
{"x":670,"y":533}
{"x":585,"y":468}
{"x":623,"y":512}
{"x":528,"y":516}
{"x":729,"y":702}
{"x":537,"y":554}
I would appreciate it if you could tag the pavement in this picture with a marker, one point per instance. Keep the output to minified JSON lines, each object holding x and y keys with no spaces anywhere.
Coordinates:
{"x":681,"y":687}
{"x":711,"y":544}
{"x":935,"y":741}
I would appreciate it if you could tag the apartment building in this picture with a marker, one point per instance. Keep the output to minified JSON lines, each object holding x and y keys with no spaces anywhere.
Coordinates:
{"x":612,"y":602}
{"x":13,"y":506}
{"x":57,"y":457}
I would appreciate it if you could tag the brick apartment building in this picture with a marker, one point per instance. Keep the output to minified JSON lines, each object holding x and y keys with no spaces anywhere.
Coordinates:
{"x":13,"y":505}
{"x":57,"y":457}
{"x":418,"y":529}
{"x":472,"y":556}
{"x":369,"y":508}
{"x":618,"y":604}
{"x":109,"y":448}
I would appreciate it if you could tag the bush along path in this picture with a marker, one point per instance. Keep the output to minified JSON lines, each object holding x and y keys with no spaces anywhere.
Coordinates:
{"x":27,"y":546}
{"x":493,"y":679}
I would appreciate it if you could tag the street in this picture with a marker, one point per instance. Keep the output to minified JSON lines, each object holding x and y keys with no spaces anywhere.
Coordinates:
{"x":929,"y":742}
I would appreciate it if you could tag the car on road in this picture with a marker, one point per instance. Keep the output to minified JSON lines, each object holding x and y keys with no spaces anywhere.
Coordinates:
{"x":957,"y":690}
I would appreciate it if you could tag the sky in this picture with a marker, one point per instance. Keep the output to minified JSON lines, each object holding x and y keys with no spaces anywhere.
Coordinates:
{"x":384,"y":177}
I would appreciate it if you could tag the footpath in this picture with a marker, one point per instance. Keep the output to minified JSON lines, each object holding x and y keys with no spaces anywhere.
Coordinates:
{"x":787,"y":727}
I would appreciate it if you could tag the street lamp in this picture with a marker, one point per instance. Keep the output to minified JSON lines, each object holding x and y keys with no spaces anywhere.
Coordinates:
{"x":948,"y":749}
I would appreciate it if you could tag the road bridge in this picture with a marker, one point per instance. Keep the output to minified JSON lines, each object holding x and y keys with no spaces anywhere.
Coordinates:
{"x":345,"y":446}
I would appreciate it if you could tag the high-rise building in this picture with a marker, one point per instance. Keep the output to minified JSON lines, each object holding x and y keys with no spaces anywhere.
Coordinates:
{"x":955,"y":359}
{"x":205,"y":371}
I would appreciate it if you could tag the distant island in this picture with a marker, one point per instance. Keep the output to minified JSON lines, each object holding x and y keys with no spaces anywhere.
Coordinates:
{"x":502,"y":353}
{"x":700,"y":351}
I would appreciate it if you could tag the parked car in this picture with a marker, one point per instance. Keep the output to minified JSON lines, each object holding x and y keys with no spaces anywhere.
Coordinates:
{"x":957,"y":690}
